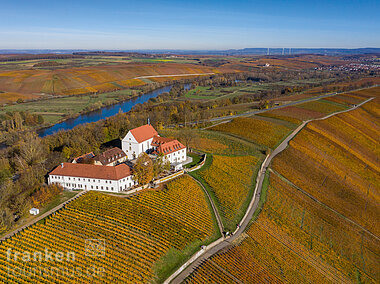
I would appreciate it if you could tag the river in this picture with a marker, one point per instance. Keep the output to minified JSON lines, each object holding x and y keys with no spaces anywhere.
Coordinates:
{"x":104,"y":112}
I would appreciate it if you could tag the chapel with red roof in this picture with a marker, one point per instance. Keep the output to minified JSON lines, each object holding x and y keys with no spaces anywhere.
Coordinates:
{"x":146,"y":139}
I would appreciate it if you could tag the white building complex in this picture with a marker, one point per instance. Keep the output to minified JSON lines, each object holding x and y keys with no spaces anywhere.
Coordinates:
{"x":108,"y":171}
{"x":92,"y":177}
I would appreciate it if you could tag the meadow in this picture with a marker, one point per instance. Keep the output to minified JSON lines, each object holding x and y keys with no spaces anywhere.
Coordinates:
{"x":146,"y":236}
{"x":55,"y":109}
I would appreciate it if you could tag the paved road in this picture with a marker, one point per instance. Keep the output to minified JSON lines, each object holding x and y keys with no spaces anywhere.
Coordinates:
{"x":51,"y":211}
{"x":185,"y":270}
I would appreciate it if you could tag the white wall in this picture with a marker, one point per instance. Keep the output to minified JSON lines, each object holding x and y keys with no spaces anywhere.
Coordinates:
{"x":177,"y":156}
{"x":130,"y":146}
{"x":92,"y":184}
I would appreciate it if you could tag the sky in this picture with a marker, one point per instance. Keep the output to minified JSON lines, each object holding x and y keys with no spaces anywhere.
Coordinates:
{"x":189,"y":25}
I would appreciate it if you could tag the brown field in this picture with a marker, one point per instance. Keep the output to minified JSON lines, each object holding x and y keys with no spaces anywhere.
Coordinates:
{"x":30,"y":84}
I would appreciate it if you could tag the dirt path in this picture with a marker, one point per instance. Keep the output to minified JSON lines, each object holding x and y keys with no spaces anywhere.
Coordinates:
{"x":187,"y":268}
{"x":51,"y":211}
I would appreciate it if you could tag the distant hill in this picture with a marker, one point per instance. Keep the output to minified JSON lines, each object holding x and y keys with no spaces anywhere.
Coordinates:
{"x":244,"y":51}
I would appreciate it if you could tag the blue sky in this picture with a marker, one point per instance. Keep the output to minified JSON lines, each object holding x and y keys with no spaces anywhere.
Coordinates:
{"x":193,"y":24}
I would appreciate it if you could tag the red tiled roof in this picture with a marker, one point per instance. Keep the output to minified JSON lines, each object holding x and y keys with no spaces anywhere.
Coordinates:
{"x":158,"y":140}
{"x":143,"y":133}
{"x":84,"y":156}
{"x":110,"y":156}
{"x":92,"y":171}
{"x":169,"y":147}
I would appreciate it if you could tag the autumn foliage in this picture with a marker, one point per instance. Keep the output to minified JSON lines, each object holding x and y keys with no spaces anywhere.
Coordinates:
{"x":45,"y":194}
{"x":137,"y":232}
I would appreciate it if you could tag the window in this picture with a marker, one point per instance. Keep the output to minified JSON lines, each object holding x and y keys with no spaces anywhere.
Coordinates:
{"x":92,"y":186}
{"x":88,"y":180}
{"x":96,"y":187}
{"x":78,"y":179}
{"x":69,"y":178}
{"x":106,"y":187}
{"x":93,"y":180}
{"x":101,"y":187}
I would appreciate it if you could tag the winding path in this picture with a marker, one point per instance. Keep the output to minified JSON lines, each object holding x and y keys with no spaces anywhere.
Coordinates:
{"x":216,"y":213}
{"x":187,"y":268}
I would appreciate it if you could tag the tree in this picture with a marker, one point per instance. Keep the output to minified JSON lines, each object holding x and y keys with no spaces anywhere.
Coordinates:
{"x":160,"y":165}
{"x":187,"y":136}
{"x":32,"y":150}
{"x":143,"y":169}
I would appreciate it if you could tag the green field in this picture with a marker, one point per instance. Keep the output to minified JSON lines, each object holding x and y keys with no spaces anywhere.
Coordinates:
{"x":243,"y":88}
{"x":53,"y":110}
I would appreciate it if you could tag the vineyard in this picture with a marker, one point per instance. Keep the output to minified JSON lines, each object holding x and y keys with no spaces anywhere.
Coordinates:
{"x":295,"y":240}
{"x":319,"y":221}
{"x":335,"y":160}
{"x":231,"y":182}
{"x":258,"y":131}
{"x":137,"y":231}
{"x":322,"y":106}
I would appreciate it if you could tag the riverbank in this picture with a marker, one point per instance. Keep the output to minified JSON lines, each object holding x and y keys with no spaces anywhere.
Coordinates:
{"x":109,"y":104}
